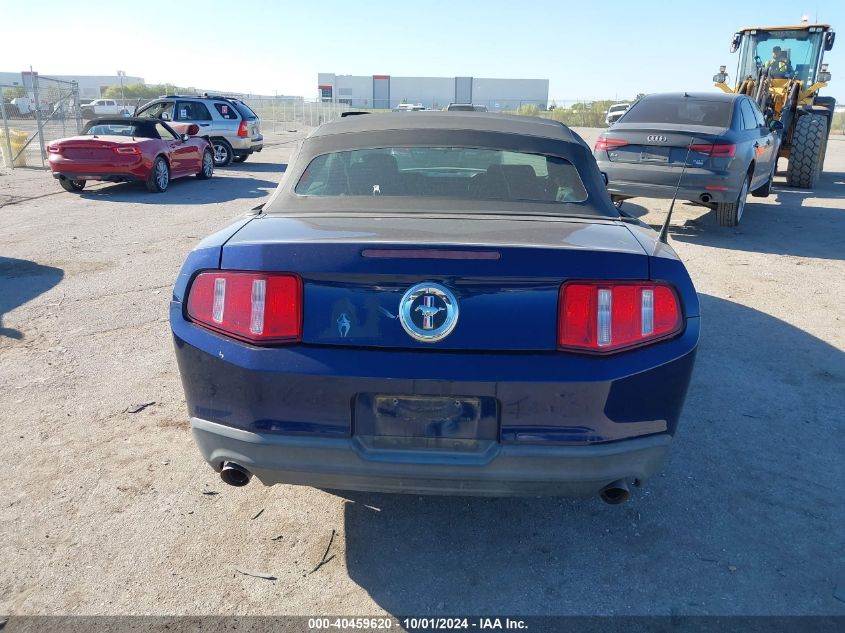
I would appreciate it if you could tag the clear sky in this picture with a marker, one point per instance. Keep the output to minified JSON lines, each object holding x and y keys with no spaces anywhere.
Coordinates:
{"x":588,"y":50}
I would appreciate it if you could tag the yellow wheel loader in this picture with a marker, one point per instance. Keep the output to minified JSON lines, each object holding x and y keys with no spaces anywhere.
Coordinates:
{"x":782,"y":69}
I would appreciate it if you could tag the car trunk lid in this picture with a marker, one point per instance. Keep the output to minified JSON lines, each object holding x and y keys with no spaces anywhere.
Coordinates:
{"x":660,"y":145}
{"x":94,"y":148}
{"x":504,"y":272}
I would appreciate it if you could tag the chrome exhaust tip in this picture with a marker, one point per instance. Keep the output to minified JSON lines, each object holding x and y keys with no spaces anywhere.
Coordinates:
{"x":235,"y":474}
{"x":615,"y":493}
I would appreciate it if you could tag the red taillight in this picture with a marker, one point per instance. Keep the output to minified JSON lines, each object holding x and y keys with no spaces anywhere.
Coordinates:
{"x":255,"y":307}
{"x":612,"y":316}
{"x":715,"y":150}
{"x":126,"y":149}
{"x":605,"y":144}
{"x":243,"y":129}
{"x":54,"y":149}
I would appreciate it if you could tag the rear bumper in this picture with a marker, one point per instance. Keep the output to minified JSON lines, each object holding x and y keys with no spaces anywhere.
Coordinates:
{"x":129,"y":168}
{"x":500,"y":470}
{"x":247,"y":145}
{"x":650,"y":181}
{"x":247,"y":152}
{"x":106,"y":176}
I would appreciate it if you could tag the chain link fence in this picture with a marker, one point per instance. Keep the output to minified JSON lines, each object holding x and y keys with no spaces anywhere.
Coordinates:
{"x":277,"y":114}
{"x":282,"y":114}
{"x":41,"y":110}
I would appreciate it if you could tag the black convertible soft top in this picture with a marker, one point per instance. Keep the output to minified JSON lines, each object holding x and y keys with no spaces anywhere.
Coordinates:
{"x":145,"y":126}
{"x":139,"y":123}
{"x":469,"y":121}
{"x":123,"y":120}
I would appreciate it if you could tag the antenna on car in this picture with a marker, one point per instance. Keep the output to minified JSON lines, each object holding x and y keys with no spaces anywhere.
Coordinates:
{"x":663,"y":236}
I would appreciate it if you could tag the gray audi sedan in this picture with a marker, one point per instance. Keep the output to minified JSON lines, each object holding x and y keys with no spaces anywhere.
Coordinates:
{"x":717,"y":146}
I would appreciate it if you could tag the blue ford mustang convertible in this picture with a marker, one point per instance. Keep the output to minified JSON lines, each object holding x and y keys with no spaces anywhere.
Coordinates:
{"x":447,"y":303}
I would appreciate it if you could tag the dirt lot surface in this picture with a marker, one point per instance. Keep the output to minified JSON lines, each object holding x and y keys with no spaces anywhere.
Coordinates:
{"x":105,"y":511}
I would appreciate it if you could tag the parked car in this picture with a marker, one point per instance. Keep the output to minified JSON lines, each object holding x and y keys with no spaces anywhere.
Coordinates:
{"x":24,"y":107}
{"x":462,"y":311}
{"x":409,"y":107}
{"x":466,"y":107}
{"x":716,"y":145}
{"x":615,"y":111}
{"x":131,"y":150}
{"x":232,"y":126}
{"x":102,"y":107}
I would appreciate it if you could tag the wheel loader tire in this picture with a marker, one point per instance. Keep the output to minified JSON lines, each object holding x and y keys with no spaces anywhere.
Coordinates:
{"x":808,"y":143}
{"x":824,"y":153}
{"x":824,"y":145}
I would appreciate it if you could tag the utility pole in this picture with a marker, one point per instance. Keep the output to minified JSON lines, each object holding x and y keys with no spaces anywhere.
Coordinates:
{"x":8,"y":149}
{"x":34,"y":76}
{"x":122,"y":74}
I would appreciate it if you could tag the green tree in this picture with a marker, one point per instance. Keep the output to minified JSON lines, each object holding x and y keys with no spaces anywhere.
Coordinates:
{"x":14,"y":92}
{"x":528,"y":109}
{"x":144,"y":91}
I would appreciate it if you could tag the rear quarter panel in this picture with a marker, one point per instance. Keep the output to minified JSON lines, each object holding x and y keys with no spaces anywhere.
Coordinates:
{"x":205,"y":255}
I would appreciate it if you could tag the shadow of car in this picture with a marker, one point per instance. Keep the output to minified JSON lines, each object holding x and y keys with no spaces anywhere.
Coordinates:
{"x":755,"y":467}
{"x":21,"y":281}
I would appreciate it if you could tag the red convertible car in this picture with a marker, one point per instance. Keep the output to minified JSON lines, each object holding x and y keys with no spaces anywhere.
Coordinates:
{"x":131,"y":150}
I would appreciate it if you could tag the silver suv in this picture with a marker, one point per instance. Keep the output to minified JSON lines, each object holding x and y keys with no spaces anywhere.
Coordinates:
{"x":232,"y":127}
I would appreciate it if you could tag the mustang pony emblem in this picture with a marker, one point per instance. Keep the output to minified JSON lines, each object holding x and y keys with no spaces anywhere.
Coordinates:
{"x":428,"y":312}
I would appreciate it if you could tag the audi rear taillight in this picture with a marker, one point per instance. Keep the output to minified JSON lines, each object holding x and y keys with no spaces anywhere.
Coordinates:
{"x":127,"y":149}
{"x":255,"y":307}
{"x":243,"y":128}
{"x":714,"y":149}
{"x":605,"y":317}
{"x":606,"y":144}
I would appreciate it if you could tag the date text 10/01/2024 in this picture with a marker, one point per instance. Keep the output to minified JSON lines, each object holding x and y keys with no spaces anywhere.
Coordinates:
{"x":418,"y":624}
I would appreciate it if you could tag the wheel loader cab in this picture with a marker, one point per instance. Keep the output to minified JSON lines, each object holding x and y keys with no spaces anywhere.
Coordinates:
{"x":781,"y":68}
{"x":797,"y":52}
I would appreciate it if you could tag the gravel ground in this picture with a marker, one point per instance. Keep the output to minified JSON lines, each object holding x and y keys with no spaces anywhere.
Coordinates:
{"x":105,"y":511}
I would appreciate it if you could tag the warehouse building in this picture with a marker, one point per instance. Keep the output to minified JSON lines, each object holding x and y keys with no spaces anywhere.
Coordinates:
{"x":384,"y":91}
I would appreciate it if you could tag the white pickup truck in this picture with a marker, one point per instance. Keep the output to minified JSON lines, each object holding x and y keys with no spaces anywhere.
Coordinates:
{"x":25,"y":107}
{"x":102,"y":107}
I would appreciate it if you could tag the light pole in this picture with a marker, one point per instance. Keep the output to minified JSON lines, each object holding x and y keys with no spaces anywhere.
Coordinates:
{"x":122,"y":74}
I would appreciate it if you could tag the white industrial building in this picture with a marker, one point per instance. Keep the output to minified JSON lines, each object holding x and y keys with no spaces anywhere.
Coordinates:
{"x":90,"y":86}
{"x":385,"y":91}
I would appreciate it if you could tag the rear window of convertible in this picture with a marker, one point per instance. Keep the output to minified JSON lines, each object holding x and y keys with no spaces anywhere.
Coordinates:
{"x":443,"y":172}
